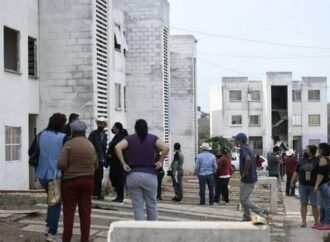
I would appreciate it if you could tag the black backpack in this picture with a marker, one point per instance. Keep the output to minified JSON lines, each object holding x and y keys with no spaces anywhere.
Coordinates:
{"x":34,"y":152}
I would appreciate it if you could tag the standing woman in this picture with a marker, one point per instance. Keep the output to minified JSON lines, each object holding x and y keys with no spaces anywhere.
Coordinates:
{"x":142,"y":178}
{"x":117,"y":174}
{"x":307,"y":171}
{"x":223,"y":176}
{"x":323,"y":186}
{"x":51,"y":142}
{"x":78,"y":162}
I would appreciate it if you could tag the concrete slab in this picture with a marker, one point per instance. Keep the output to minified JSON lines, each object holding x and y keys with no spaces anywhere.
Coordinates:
{"x":146,"y":231}
{"x":116,"y":215}
{"x":41,"y":229}
{"x":103,"y":234}
{"x":33,"y":211}
{"x":5,"y":215}
{"x":37,"y":222}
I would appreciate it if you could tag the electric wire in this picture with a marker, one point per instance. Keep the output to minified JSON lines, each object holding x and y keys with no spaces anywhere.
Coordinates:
{"x":223,"y":36}
{"x":263,"y":57}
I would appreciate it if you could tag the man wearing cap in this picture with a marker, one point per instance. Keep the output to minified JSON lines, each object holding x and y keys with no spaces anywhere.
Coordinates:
{"x":274,"y":162}
{"x":99,"y":139}
{"x":205,"y":167}
{"x":290,"y":162}
{"x":248,"y":171}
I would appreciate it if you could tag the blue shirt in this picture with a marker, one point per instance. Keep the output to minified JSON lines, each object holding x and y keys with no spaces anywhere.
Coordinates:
{"x":206,"y":164}
{"x":251,"y":177}
{"x":50,"y":145}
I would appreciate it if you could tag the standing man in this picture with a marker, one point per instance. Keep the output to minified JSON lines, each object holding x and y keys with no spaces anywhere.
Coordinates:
{"x":99,"y":139}
{"x":290,"y":163}
{"x":274,"y":162}
{"x":248,"y":171}
{"x":177,"y":172}
{"x":72,"y":117}
{"x":205,"y":167}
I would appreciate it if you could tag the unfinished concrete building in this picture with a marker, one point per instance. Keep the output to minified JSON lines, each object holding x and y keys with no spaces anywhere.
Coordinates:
{"x":183,"y":96}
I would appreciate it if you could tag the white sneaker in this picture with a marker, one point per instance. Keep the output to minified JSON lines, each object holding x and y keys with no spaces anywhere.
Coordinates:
{"x":53,"y":238}
{"x":46,"y":230}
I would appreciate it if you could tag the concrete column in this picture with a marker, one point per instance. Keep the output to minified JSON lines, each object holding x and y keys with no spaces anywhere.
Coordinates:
{"x":272,"y":181}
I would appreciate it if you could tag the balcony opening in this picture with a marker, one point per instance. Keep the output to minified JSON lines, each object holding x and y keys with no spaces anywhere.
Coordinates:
{"x":279,"y":113}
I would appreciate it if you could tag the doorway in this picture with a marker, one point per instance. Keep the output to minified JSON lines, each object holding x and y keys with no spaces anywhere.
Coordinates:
{"x":279,"y":107}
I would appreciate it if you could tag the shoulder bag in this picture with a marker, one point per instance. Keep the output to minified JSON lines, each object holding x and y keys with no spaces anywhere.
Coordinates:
{"x":54,"y":190}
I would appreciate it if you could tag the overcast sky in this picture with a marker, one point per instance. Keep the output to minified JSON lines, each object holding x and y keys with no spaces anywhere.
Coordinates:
{"x":296,"y":22}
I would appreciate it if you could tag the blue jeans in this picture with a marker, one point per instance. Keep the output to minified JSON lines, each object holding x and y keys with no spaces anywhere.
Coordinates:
{"x":207,"y":179}
{"x":53,"y":212}
{"x":324,"y":196}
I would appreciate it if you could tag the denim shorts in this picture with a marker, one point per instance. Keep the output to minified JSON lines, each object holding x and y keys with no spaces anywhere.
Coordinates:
{"x":325,"y":192}
{"x":307,"y":194}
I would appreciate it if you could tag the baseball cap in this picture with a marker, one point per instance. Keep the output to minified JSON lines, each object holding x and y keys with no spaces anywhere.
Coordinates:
{"x":240,"y":136}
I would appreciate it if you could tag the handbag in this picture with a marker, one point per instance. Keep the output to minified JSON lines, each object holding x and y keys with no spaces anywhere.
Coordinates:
{"x":54,"y":190}
{"x":34,"y":157}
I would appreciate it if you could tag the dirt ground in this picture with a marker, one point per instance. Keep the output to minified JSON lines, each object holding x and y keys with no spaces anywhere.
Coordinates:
{"x":10,"y":229}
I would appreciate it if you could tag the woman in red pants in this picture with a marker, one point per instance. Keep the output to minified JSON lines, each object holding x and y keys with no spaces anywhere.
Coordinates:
{"x":78,"y":162}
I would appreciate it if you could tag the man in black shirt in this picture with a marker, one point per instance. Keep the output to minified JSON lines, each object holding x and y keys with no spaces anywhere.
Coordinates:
{"x":99,"y":139}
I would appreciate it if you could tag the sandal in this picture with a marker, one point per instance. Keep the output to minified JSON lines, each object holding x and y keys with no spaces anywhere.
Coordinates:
{"x":303,"y":225}
{"x":268,"y":217}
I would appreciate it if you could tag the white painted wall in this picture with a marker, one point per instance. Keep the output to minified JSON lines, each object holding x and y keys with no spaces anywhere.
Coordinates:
{"x":17,"y":90}
{"x":216,"y":110}
{"x":118,"y":67}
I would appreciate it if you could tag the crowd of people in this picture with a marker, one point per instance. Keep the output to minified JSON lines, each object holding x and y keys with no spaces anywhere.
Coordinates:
{"x":66,"y":153}
{"x":312,"y":171}
{"x":136,"y":164}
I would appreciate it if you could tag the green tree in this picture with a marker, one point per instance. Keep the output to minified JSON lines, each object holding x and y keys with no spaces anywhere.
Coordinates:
{"x":219,"y":142}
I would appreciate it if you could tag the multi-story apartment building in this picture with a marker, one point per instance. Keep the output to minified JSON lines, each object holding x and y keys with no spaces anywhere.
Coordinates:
{"x":118,"y":85}
{"x":183,"y":96}
{"x":147,"y":25}
{"x":19,"y":88}
{"x":97,"y":58}
{"x":271,"y":110}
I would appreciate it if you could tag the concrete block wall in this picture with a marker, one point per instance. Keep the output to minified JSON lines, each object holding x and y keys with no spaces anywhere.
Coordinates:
{"x":183,"y":96}
{"x":145,"y":23}
{"x":66,"y":59}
